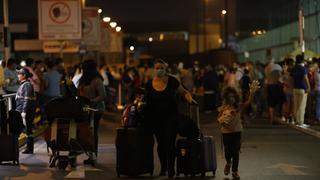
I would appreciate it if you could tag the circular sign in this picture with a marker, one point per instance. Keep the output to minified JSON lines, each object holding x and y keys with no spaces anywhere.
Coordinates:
{"x":59,"y":12}
{"x":86,"y":26}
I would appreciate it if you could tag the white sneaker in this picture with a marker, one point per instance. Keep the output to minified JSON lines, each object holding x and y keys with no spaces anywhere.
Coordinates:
{"x":303,"y":125}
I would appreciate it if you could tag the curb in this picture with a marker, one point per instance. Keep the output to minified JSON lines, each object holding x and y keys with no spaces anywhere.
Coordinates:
{"x":37,"y":133}
{"x":305,"y":130}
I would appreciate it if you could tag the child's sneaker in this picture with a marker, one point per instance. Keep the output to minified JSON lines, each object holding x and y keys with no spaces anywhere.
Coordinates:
{"x":235,"y":175}
{"x":227,"y":169}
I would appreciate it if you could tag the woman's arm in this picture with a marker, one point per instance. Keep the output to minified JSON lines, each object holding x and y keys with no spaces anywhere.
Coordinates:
{"x":185,"y":93}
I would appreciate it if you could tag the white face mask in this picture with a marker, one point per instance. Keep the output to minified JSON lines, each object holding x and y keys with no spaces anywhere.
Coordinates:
{"x":161,"y":72}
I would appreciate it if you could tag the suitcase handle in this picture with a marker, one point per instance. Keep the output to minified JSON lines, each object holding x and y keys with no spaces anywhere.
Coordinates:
{"x":194,"y":103}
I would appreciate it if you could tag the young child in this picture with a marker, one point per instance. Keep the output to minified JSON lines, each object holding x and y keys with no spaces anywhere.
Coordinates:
{"x":229,"y":117}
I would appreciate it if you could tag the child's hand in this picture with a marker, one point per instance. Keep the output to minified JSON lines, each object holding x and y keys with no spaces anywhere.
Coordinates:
{"x":254,"y":86}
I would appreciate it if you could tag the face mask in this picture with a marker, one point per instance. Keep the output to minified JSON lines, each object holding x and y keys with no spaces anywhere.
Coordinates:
{"x":230,"y":100}
{"x":161,"y":72}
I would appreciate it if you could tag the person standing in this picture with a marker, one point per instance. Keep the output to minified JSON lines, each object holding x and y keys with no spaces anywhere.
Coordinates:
{"x":317,"y":92}
{"x":301,"y":88}
{"x":274,"y":90}
{"x":211,"y":86}
{"x":25,"y":104}
{"x":11,"y":77}
{"x":91,"y":87}
{"x":34,"y":80}
{"x":161,"y":113}
{"x":53,"y":79}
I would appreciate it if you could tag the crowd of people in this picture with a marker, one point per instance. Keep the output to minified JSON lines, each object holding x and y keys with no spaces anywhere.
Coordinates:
{"x":290,"y":90}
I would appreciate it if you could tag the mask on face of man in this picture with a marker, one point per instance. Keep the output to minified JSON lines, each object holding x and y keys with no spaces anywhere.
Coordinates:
{"x":161,"y":72}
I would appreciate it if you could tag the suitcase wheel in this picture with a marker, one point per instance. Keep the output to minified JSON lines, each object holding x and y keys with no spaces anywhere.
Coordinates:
{"x":16,"y":163}
{"x":118,"y":174}
{"x":213,"y":173}
{"x":151,"y":173}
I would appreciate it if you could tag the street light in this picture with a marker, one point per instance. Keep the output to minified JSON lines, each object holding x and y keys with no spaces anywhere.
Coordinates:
{"x":150,"y":39}
{"x":224,"y":12}
{"x":99,"y":11}
{"x":113,"y":24}
{"x":131,"y":48}
{"x":106,"y":19}
{"x":118,"y":28}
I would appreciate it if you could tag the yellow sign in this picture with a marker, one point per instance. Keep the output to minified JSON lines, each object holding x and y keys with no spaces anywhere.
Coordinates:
{"x":60,"y":47}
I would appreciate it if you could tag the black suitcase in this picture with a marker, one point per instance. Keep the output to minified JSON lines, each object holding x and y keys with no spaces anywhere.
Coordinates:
{"x":10,"y":148}
{"x":134,"y":152}
{"x":196,"y":156}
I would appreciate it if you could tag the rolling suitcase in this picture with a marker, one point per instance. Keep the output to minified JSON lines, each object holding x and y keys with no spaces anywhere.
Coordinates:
{"x":134,"y":152}
{"x":196,"y":155}
{"x":10,"y":129}
{"x":10,"y":145}
{"x":10,"y":150}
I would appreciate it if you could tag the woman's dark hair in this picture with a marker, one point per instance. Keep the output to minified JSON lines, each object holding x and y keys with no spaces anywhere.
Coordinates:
{"x":161,"y":61}
{"x":299,"y":59}
{"x":89,"y":72}
{"x":29,"y":62}
{"x":228,"y":91}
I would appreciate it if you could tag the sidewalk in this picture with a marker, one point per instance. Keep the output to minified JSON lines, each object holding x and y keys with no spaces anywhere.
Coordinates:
{"x":313,"y":130}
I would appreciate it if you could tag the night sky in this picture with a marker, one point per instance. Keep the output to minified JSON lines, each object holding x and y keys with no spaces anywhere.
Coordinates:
{"x":152,"y":15}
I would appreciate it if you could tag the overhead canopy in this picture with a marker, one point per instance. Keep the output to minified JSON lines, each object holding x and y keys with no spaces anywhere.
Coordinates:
{"x":307,"y":53}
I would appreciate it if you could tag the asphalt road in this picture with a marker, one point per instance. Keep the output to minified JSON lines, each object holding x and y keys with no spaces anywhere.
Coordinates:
{"x":268,"y":153}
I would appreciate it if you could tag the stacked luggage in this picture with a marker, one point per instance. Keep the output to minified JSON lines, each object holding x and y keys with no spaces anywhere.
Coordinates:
{"x":195,"y":154}
{"x":70,"y":133}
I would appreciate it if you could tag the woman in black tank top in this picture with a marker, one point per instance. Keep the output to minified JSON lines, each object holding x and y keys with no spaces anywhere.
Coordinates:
{"x":161,"y":111}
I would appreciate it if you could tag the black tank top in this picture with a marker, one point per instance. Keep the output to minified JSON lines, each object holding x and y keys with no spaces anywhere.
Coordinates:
{"x":162,"y":104}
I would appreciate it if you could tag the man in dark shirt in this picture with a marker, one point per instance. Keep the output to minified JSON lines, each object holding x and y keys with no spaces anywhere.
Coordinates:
{"x":211,"y":86}
{"x":301,"y":88}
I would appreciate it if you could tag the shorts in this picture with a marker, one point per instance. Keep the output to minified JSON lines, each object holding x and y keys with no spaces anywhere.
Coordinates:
{"x":275,"y":95}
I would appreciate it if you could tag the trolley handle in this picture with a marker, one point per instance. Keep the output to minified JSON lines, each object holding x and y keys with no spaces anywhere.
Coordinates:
{"x":89,"y":109}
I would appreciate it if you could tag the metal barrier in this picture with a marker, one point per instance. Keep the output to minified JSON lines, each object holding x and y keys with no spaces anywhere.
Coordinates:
{"x":8,"y":98}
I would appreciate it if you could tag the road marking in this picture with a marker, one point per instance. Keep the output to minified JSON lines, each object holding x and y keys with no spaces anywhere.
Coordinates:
{"x":80,"y":172}
{"x":289,"y":169}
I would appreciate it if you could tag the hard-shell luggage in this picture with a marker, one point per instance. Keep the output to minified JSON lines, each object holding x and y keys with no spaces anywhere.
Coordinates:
{"x":9,"y":150}
{"x":11,"y":128}
{"x":196,"y":156}
{"x":134,"y":152}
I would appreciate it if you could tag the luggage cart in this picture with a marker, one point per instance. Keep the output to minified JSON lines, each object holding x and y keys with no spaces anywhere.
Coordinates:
{"x":64,"y":138}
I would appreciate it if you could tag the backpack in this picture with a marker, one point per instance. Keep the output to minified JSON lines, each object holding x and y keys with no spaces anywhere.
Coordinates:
{"x":130,"y":116}
{"x":187,"y":127}
{"x":14,"y":122}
